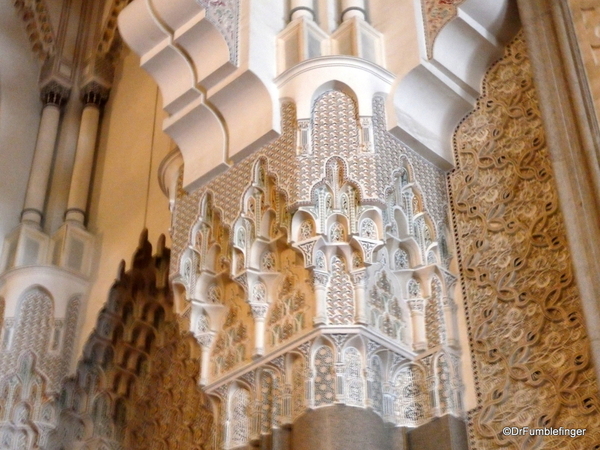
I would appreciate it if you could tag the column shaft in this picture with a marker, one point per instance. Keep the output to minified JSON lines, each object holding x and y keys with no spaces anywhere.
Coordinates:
{"x":84,"y":160}
{"x":353,"y":8}
{"x":301,"y":8}
{"x":42,"y":162}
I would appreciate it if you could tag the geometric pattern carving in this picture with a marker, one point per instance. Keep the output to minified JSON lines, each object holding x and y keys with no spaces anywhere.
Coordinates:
{"x":411,"y":402}
{"x":353,"y":379}
{"x":27,"y":413}
{"x":434,"y":319}
{"x":35,"y":312}
{"x":35,"y":358}
{"x":530,"y":349}
{"x":239,"y":418}
{"x":340,"y":295}
{"x":324,"y":376}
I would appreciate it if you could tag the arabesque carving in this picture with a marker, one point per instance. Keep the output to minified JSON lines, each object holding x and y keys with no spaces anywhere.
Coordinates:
{"x":436,"y":14}
{"x":531,"y":353}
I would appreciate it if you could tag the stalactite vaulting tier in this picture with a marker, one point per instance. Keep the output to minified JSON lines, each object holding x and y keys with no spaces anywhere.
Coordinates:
{"x":136,"y":386}
{"x":320,"y":275}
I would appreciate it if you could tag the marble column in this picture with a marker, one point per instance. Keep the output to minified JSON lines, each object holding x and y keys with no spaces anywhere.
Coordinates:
{"x":359,"y":279}
{"x":417,"y":314}
{"x":259,"y":312}
{"x":205,"y":340}
{"x":35,"y":197}
{"x":93,"y":99}
{"x":302,"y":8}
{"x":353,"y":8}
{"x":320,"y":281}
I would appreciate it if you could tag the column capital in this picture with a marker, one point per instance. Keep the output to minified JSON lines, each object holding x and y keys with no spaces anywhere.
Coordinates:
{"x":93,"y":93}
{"x":320,"y":279}
{"x":54,"y":93}
{"x":259,"y":310}
{"x":359,"y":278}
{"x":205,"y":339}
{"x":416,"y":305}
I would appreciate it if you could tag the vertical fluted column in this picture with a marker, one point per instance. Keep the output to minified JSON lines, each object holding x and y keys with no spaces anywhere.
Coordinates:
{"x":37,"y":186}
{"x":388,"y":402}
{"x":286,"y":416}
{"x":340,"y":382}
{"x":450,"y":326}
{"x":93,"y":99}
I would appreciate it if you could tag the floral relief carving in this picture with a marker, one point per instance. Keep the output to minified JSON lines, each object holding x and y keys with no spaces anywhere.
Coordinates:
{"x":434,"y":318}
{"x":529,"y":344}
{"x":270,"y":394}
{"x":298,"y":386}
{"x":306,"y":230}
{"x":288,"y":314}
{"x":375,"y":384}
{"x":385,"y":310}
{"x":401,"y":260}
{"x":337,"y":233}
{"x":436,"y":14}
{"x":231,"y":342}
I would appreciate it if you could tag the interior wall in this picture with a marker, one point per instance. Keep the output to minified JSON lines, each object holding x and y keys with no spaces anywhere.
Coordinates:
{"x":396,"y":20}
{"x":125,"y":194}
{"x":20,"y":108}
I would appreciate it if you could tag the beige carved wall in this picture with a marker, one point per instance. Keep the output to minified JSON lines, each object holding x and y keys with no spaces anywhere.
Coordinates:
{"x":531,"y":355}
